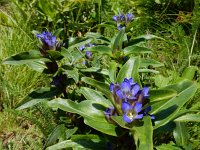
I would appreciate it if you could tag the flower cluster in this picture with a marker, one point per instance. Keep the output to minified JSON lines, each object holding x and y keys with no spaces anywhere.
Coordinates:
{"x":48,"y":40}
{"x":123,"y":19}
{"x":131,"y":100}
{"x":87,"y":53}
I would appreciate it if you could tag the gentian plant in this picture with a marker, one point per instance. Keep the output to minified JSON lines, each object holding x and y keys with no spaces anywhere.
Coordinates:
{"x":112,"y":95}
{"x":123,"y":19}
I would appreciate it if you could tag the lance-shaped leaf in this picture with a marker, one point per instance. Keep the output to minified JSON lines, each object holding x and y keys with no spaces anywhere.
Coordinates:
{"x":150,"y":62}
{"x":143,"y":130}
{"x":166,"y":112}
{"x":91,"y":94}
{"x":96,"y":69}
{"x":145,"y":134}
{"x":24,"y":58}
{"x":117,"y":41}
{"x":92,"y":112}
{"x":57,"y":133}
{"x":77,"y":42}
{"x":101,"y":49}
{"x":112,"y":71}
{"x":161,"y":94}
{"x":189,"y":72}
{"x":72,"y":73}
{"x":55,"y":55}
{"x":148,"y":71}
{"x":129,"y":70}
{"x":103,"y":87}
{"x":136,"y":50}
{"x":188,"y":117}
{"x":181,"y":135}
{"x":89,"y":142}
{"x":39,"y":95}
{"x":142,"y":38}
{"x":169,"y":146}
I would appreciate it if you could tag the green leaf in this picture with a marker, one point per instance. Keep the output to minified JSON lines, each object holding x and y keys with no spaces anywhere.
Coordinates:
{"x":145,"y":134}
{"x":96,"y":69}
{"x":104,"y":88}
{"x":143,"y":38}
{"x":148,"y":71}
{"x":136,"y":50}
{"x":160,"y":94}
{"x":77,"y":42}
{"x":119,"y":120}
{"x":181,"y":135}
{"x":161,"y":81}
{"x":66,"y":53}
{"x":55,"y":55}
{"x":150,"y":62}
{"x":170,"y":146}
{"x":129,"y":70}
{"x":56,"y":134}
{"x":70,"y":132}
{"x":94,"y":95}
{"x":112,"y":71}
{"x":101,"y":49}
{"x":89,"y":142}
{"x":65,"y":144}
{"x":39,"y":95}
{"x":92,"y":112}
{"x":24,"y":58}
{"x":188,"y":117}
{"x":117,"y":44}
{"x":72,"y":73}
{"x":37,"y":66}
{"x":189,"y":72}
{"x":58,"y":31}
{"x":180,"y":86}
{"x":169,"y":109}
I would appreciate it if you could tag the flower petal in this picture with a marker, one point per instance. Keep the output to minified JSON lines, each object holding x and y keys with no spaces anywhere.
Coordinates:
{"x":135,"y":89}
{"x":126,"y":107}
{"x":111,"y":87}
{"x":140,"y":116}
{"x":127,"y":119}
{"x":126,"y":87}
{"x":119,"y":93}
{"x":137,"y":107}
{"x":145,"y":91}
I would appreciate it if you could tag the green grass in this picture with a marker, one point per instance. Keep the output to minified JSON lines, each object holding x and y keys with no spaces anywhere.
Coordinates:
{"x":19,"y":129}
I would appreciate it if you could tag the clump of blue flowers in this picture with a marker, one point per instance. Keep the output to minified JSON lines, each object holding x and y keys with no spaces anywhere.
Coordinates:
{"x":123,"y":19}
{"x":49,"y":42}
{"x":87,"y":53}
{"x":131,"y":99}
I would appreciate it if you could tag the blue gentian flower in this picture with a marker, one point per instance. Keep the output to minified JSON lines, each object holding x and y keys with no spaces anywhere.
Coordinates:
{"x":129,"y":17}
{"x":87,"y":53}
{"x":122,"y":17}
{"x":81,"y":48}
{"x":115,"y":18}
{"x":146,"y":111}
{"x":120,"y":27}
{"x":129,"y":100}
{"x":48,"y":40}
{"x":110,"y":111}
{"x":122,"y":20}
{"x":128,"y":90}
{"x":131,"y":113}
